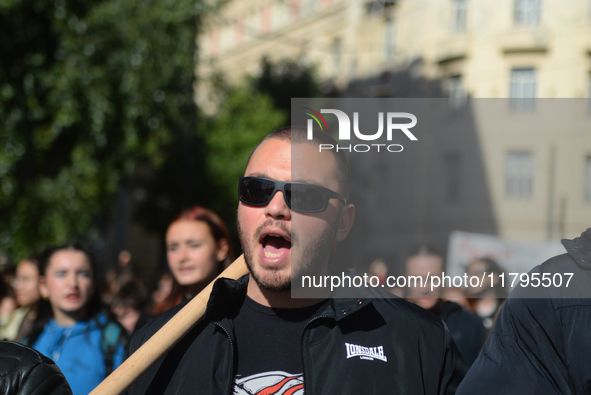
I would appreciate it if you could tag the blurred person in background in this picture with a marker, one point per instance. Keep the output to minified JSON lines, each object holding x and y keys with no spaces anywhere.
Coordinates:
{"x":397,"y":291}
{"x":124,"y":258}
{"x":126,"y":295}
{"x":486,"y":300}
{"x":379,"y":269}
{"x":128,"y":305}
{"x":456,"y":295}
{"x":119,"y":276}
{"x":198,"y":249}
{"x":163,"y":287}
{"x":72,"y":328}
{"x":7,"y":270}
{"x":466,"y":330}
{"x":7,"y":301}
{"x":26,"y":291}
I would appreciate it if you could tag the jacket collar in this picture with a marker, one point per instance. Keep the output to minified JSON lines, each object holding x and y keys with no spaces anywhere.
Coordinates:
{"x":580,"y":249}
{"x":228,"y":295}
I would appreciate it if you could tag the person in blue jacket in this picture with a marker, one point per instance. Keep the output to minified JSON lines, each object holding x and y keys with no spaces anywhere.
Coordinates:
{"x":71,"y":329}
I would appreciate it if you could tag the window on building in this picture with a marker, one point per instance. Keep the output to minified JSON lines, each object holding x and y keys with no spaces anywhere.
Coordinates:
{"x":588,"y":179}
{"x":455,"y":91}
{"x":337,"y":54}
{"x":589,"y":94}
{"x":239,"y":31}
{"x":459,"y":14}
{"x":519,"y":174}
{"x":452,"y":166}
{"x":214,"y":41}
{"x":252,"y":27}
{"x":527,"y":12}
{"x":266,"y":19}
{"x":389,"y":38}
{"x":523,"y":89}
{"x":307,"y":7}
{"x":294,"y":8}
{"x":281,"y":15}
{"x":352,"y":66}
{"x":226,"y":36}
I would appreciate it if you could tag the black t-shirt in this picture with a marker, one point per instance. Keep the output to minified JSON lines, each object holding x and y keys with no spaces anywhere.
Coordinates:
{"x":269,"y":348}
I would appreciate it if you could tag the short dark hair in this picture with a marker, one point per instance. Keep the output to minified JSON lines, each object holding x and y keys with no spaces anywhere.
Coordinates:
{"x":493,"y":265}
{"x":426,"y":249}
{"x":131,"y":294}
{"x":298,"y":134}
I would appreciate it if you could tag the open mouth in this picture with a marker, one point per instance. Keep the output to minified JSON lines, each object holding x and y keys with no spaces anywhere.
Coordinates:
{"x":275,"y":245}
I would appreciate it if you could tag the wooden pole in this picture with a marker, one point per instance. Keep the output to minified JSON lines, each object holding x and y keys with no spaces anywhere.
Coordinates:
{"x":163,"y":340}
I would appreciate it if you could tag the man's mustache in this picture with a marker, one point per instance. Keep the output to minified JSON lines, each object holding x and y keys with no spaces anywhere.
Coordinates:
{"x":276,"y":224}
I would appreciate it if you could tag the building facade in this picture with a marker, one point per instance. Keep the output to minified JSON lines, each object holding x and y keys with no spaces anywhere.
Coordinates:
{"x":511,"y":62}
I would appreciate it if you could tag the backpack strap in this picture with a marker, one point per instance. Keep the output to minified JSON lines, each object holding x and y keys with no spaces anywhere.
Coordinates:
{"x":112,"y":335}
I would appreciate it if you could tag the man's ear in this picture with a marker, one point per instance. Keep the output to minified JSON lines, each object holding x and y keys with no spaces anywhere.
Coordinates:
{"x":222,"y":249}
{"x":346,"y":222}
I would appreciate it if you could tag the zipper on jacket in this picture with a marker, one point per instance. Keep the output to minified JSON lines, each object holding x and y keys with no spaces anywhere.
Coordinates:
{"x":302,"y":345}
{"x":231,"y":383}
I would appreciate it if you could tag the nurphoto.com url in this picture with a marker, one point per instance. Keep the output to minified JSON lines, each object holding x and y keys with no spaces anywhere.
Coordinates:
{"x":442,"y":280}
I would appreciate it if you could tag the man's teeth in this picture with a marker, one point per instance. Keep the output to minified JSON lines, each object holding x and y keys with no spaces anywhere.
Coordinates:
{"x":270,"y":254}
{"x":277,"y":245}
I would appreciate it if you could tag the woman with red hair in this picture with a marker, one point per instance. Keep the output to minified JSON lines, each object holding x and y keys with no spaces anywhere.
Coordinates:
{"x":198,"y":248}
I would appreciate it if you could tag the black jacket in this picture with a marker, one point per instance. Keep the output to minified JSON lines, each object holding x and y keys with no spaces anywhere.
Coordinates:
{"x":421,"y":357}
{"x":466,"y":329}
{"x":541,"y":342}
{"x":24,"y":371}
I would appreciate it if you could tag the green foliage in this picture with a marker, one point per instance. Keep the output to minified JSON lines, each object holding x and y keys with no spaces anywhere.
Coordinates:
{"x":284,"y":80}
{"x":224,"y":141}
{"x":245,"y":117}
{"x":87,"y":89}
{"x":94,"y":93}
{"x":206,"y":168}
{"x":248,"y":114}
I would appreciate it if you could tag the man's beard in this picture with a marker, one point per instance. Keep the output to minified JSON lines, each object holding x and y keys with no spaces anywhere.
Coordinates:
{"x":310,"y":261}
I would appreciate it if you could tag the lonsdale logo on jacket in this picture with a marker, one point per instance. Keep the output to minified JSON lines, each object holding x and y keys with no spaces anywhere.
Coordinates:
{"x":369,"y":353}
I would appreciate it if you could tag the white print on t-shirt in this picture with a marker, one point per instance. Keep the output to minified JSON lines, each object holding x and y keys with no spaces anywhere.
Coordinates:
{"x":270,"y":383}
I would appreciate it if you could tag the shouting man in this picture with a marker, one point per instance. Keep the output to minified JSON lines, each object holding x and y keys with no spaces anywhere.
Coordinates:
{"x":256,"y":338}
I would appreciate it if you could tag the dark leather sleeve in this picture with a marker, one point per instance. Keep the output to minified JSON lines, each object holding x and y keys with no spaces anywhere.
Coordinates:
{"x":25,"y":371}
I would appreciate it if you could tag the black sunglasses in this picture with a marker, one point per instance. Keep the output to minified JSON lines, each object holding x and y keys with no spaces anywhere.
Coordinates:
{"x":307,"y":198}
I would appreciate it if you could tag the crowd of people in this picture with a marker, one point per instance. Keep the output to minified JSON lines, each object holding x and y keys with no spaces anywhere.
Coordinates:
{"x":41,"y":309}
{"x":469,"y":313}
{"x":52,"y":302}
{"x":256,"y":338}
